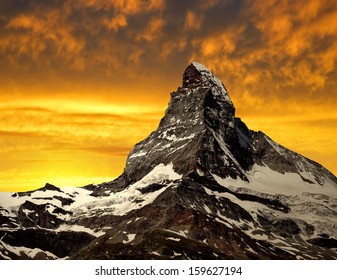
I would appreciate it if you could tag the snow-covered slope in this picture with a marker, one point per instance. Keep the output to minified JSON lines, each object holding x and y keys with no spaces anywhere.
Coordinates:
{"x":202,"y":186}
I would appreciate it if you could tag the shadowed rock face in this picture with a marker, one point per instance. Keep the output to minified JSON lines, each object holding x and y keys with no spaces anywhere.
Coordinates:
{"x":201,"y":186}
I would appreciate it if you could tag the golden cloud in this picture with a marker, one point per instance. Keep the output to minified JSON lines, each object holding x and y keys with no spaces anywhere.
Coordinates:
{"x":138,"y":6}
{"x":116,"y":23}
{"x":192,"y":21}
{"x":152,"y":31}
{"x":298,"y":33}
{"x":124,"y":6}
{"x":32,"y":35}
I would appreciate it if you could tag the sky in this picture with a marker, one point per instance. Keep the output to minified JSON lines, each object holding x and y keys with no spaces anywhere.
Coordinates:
{"x":82,"y":81}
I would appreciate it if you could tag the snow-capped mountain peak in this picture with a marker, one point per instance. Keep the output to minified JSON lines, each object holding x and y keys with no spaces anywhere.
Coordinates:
{"x":201,"y":186}
{"x":197,"y":73}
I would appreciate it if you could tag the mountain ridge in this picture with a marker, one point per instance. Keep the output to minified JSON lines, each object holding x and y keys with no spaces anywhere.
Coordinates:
{"x":201,"y":186}
{"x":195,"y":75}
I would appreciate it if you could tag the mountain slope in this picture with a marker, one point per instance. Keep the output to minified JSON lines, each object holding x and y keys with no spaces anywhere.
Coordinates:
{"x":202,"y":186}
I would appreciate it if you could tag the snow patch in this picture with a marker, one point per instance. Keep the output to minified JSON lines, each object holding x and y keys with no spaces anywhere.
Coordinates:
{"x":262,"y":179}
{"x":174,"y":239}
{"x":208,"y":76}
{"x":182,"y":233}
{"x":130,"y":237}
{"x":139,"y":154}
{"x":20,"y":250}
{"x":158,"y":174}
{"x":27,"y":211}
{"x":78,"y":228}
{"x":209,"y":211}
{"x":200,"y":173}
{"x":129,"y":199}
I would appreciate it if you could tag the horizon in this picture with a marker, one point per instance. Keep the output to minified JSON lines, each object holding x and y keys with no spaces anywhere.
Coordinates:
{"x":83,"y":82}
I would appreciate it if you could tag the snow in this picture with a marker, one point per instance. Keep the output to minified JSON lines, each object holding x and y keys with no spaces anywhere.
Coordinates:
{"x":182,"y":233}
{"x":258,"y":236}
{"x":20,"y":250}
{"x":38,"y":197}
{"x":27,"y":211}
{"x":122,"y":202}
{"x":130,"y":237}
{"x":276,"y":146}
{"x":253,"y":207}
{"x":264,"y":180}
{"x":208,"y":76}
{"x":118,"y":203}
{"x":209,"y":211}
{"x":226,"y":151}
{"x":311,"y":203}
{"x":200,"y":172}
{"x":203,"y":70}
{"x":78,"y":228}
{"x":159,"y":173}
{"x":251,"y":250}
{"x":83,"y":197}
{"x":174,"y":239}
{"x":171,"y":137}
{"x":200,"y":67}
{"x":8,"y":202}
{"x":139,"y":154}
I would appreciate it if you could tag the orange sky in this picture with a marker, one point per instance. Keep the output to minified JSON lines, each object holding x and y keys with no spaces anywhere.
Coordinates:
{"x":82,"y":81}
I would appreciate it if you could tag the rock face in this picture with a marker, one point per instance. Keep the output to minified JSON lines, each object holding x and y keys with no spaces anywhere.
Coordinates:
{"x":202,"y":186}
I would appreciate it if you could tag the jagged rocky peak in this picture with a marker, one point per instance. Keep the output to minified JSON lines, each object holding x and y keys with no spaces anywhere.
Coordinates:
{"x":196,"y":74}
{"x":191,"y":76}
{"x":200,"y":134}
{"x":197,"y":132}
{"x":203,"y":94}
{"x":50,"y":187}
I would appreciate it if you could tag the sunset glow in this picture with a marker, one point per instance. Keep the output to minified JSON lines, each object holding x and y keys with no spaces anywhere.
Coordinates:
{"x":83,"y":81}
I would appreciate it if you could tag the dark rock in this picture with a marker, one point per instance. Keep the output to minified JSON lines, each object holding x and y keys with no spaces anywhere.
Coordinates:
{"x":61,"y":244}
{"x":324,"y":242}
{"x":31,"y":214}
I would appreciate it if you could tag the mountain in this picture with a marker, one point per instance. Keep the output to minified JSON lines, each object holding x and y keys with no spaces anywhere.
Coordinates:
{"x":201,"y":186}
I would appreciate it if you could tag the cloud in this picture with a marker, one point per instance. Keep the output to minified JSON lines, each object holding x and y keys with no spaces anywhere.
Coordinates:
{"x":192,"y":21}
{"x":38,"y":128}
{"x":45,"y":35}
{"x":22,"y":134}
{"x":106,"y":150}
{"x":235,"y":36}
{"x":125,"y":6}
{"x":217,"y":45}
{"x":116,"y":22}
{"x":152,"y":30}
{"x":69,"y":36}
{"x":297,"y":34}
{"x":138,"y":6}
